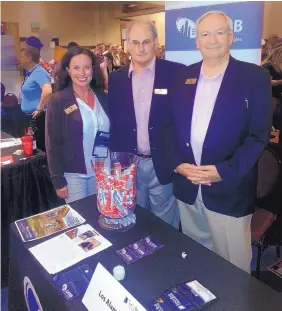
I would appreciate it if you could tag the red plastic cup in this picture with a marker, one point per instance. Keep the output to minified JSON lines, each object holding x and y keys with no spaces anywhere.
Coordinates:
{"x":27,"y":144}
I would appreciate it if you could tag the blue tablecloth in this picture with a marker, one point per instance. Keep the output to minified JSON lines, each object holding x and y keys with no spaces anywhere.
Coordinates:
{"x":149,"y":277}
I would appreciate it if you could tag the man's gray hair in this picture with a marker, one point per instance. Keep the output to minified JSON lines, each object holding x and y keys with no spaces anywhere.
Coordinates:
{"x":150,"y":24}
{"x":229,"y":21}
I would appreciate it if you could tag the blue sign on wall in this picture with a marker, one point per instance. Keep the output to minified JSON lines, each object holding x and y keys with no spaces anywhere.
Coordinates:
{"x":247,"y":25}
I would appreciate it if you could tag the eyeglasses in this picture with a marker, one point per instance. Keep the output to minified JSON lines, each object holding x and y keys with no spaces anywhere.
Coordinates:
{"x":145,"y":43}
{"x":217,"y":34}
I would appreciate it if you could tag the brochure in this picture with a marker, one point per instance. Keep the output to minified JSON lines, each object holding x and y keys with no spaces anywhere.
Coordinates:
{"x":10,"y":142}
{"x":47,"y":223}
{"x":69,"y":248}
{"x":276,"y":268}
{"x":6,"y":160}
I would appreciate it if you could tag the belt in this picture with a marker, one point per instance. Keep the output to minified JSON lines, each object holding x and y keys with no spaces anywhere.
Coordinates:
{"x":144,"y":156}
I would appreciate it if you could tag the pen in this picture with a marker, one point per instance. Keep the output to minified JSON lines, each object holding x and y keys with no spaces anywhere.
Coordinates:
{"x":247,"y":103}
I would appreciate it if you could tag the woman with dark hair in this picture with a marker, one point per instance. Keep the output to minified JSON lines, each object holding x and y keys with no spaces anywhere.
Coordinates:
{"x":76,"y":117}
{"x":109,"y":62}
{"x":273,"y":63}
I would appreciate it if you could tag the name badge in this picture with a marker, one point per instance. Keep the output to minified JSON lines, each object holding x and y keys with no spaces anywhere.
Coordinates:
{"x":100,"y":149}
{"x":191,"y":81}
{"x":71,"y":109}
{"x":160,"y":91}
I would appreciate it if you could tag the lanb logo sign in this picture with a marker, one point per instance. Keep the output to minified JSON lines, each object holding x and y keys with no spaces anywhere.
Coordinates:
{"x":187,"y":27}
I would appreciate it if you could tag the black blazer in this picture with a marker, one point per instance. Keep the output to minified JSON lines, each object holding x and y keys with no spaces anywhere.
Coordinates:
{"x":64,"y":135}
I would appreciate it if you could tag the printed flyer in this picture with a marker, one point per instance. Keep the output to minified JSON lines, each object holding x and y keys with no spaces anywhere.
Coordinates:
{"x":47,"y":223}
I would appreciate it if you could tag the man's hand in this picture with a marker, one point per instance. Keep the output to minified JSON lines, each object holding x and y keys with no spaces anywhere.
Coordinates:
{"x":276,"y":82}
{"x":193,"y":173}
{"x":63,"y":192}
{"x":35,"y":114}
{"x":211,"y":172}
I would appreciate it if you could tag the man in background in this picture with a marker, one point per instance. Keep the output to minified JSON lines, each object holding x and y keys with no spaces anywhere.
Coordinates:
{"x":72,"y":44}
{"x":100,"y":49}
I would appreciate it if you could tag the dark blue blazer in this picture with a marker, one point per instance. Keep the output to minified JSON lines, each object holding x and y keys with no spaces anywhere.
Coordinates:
{"x":236,"y":137}
{"x":123,"y":120}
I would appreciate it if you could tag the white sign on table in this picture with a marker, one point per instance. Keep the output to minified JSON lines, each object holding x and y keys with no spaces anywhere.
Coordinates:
{"x":105,"y":293}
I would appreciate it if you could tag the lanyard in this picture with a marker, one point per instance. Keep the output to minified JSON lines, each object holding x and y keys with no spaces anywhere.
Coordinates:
{"x":97,"y":105}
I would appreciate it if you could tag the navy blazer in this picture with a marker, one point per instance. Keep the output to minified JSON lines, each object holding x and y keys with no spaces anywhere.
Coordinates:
{"x":64,"y":135}
{"x":123,"y":120}
{"x":236,"y":137}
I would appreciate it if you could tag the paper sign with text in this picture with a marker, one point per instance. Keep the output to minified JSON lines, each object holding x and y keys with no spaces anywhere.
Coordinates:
{"x":105,"y":293}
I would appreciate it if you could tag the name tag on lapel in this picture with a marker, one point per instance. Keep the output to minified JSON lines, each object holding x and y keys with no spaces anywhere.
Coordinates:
{"x":191,"y":81}
{"x":71,"y":109}
{"x":160,"y":91}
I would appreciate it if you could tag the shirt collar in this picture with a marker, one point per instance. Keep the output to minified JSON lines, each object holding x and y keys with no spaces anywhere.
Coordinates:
{"x":214,"y":77}
{"x":151,"y":67}
{"x":31,"y":70}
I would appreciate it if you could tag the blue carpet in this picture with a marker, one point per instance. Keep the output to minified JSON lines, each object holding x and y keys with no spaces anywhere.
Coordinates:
{"x":270,"y":279}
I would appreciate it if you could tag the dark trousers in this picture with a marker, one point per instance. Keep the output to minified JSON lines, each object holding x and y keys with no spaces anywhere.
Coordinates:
{"x":38,"y":127}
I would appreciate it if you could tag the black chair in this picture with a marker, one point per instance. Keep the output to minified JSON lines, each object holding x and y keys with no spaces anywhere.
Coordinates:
{"x":265,"y":227}
{"x":13,"y":121}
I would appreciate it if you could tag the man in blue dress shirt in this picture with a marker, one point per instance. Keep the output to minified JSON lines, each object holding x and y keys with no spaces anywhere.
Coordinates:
{"x":222,"y":118}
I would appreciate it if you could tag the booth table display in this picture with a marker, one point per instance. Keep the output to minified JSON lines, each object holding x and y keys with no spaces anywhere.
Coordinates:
{"x":149,"y":277}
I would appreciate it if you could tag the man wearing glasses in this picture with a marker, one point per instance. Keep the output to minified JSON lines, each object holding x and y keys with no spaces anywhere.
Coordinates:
{"x":222,"y":122}
{"x":140,"y":120}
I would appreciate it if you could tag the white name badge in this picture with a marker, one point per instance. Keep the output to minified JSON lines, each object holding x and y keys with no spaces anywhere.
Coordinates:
{"x":105,"y":293}
{"x":160,"y":91}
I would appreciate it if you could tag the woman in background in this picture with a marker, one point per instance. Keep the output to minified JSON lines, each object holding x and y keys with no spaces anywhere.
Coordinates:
{"x":273,"y":63}
{"x":76,"y":112}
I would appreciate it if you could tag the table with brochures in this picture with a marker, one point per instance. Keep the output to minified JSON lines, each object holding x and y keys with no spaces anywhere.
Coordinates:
{"x":145,"y":279}
{"x":26,"y":189}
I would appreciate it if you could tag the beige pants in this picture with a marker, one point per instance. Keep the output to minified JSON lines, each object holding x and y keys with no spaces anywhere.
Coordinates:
{"x":229,"y":237}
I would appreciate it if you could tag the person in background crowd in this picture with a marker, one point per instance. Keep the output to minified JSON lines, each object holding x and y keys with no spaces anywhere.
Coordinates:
{"x":221,"y":112}
{"x":277,"y":45}
{"x":108,"y":47}
{"x":162,"y":52}
{"x":124,"y":59}
{"x":120,"y":50}
{"x":115,"y":55}
{"x":72,"y":44}
{"x":100,"y":49}
{"x":138,"y":106}
{"x":108,"y":62}
{"x":272,"y":40}
{"x":273,"y":63}
{"x":264,"y":50}
{"x":75,"y":113}
{"x":36,"y":88}
{"x":93,"y":50}
{"x":3,"y":91}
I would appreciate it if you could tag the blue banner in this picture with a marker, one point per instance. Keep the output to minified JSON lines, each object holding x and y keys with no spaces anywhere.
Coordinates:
{"x":247,"y":25}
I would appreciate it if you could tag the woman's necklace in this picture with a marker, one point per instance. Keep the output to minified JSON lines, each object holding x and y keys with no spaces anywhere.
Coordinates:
{"x":90,"y":102}
{"x":84,"y":100}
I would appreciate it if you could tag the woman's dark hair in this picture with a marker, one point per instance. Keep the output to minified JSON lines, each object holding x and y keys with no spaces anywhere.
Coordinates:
{"x":109,"y":56}
{"x":62,"y":77}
